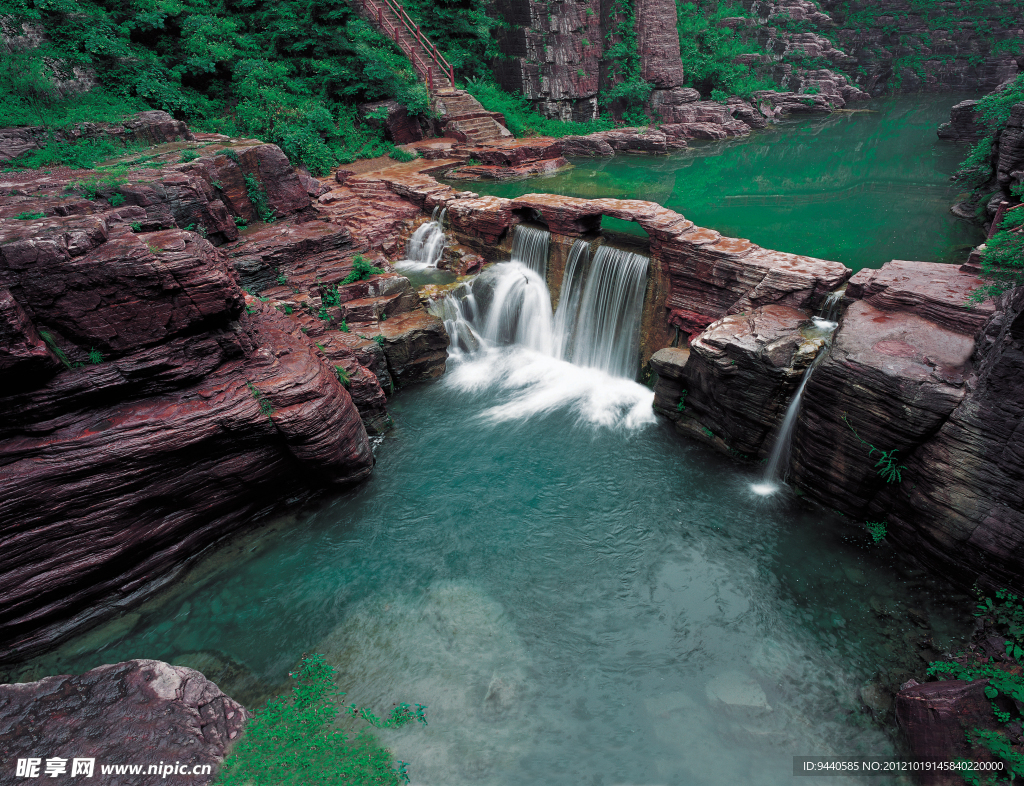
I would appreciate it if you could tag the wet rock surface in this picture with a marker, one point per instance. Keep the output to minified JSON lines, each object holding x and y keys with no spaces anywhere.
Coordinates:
{"x":137,"y":712}
{"x":742,"y":372}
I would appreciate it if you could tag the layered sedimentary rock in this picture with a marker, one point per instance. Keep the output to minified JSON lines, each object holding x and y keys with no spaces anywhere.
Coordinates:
{"x":150,"y":405}
{"x":740,"y":375}
{"x":956,"y":50}
{"x":140,"y":712}
{"x":960,"y":506}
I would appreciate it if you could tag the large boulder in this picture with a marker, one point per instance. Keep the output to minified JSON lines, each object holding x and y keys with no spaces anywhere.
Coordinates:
{"x":140,"y":712}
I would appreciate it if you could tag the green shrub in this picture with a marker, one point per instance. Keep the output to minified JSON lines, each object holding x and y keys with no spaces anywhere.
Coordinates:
{"x":1006,"y":615}
{"x":295,"y":740}
{"x":708,"y":50}
{"x":188,"y":155}
{"x":403,"y":155}
{"x":28,"y":216}
{"x":1002,"y":259}
{"x":362,"y":269}
{"x":877,"y":530}
{"x":258,"y":197}
{"x":117,"y":200}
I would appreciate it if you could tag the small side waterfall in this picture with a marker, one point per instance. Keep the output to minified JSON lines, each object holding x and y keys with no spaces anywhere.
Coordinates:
{"x":778,"y":462}
{"x":426,"y":244}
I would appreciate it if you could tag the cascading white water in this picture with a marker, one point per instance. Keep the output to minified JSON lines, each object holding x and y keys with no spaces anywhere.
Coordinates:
{"x":607,"y":334}
{"x":426,"y":244}
{"x":505,"y":335}
{"x":568,"y":310}
{"x":778,"y":462}
{"x":530,"y":248}
{"x":520,"y":310}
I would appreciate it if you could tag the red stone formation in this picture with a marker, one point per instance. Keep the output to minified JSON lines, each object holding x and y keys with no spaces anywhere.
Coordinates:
{"x":151,"y":406}
{"x":137,"y":712}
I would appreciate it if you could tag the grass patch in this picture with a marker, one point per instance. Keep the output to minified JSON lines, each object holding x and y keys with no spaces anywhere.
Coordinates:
{"x":78,"y":155}
{"x":295,"y":739}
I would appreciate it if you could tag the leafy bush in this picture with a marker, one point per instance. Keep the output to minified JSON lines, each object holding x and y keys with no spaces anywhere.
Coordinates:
{"x":28,"y":216}
{"x":1006,"y":615}
{"x":295,"y":740}
{"x":708,"y":50}
{"x":284,"y":71}
{"x":258,"y":197}
{"x":362,"y":269}
{"x":1002,"y":260}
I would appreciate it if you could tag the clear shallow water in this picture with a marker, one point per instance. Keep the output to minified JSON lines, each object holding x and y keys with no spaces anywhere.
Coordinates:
{"x":860,"y":187}
{"x":577,"y":594}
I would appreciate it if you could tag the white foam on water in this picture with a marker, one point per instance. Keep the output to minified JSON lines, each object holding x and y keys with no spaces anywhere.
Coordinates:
{"x":538,"y":384}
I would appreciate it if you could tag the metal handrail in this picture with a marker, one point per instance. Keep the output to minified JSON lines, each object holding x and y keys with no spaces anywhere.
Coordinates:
{"x":393,"y":32}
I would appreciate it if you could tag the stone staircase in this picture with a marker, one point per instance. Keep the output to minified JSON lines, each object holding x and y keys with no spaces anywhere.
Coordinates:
{"x":461,"y":116}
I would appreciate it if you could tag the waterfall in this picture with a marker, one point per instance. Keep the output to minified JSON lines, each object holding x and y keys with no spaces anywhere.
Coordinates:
{"x":583,"y":358}
{"x":426,"y":244}
{"x":778,"y":462}
{"x":530,"y":248}
{"x":596,"y":324}
{"x":568,"y":310}
{"x":607,"y":333}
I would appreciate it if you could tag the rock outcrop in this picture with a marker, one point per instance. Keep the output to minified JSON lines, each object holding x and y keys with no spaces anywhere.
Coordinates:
{"x":150,"y":405}
{"x":140,"y":712}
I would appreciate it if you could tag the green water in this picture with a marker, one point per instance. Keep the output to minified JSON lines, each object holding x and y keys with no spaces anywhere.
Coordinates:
{"x":576,"y":593}
{"x":860,"y":187}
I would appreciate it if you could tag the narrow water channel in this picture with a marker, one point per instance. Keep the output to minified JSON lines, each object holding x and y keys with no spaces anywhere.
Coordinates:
{"x":859,"y":187}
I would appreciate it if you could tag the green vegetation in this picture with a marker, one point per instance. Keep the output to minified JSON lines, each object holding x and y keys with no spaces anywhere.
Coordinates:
{"x":877,"y":530}
{"x":887,"y":465}
{"x":266,"y":407}
{"x":258,"y":197}
{"x":51,"y":343}
{"x":95,"y":356}
{"x":708,"y":50}
{"x":362,"y":269}
{"x":682,"y":401}
{"x":992,"y":111}
{"x":402,"y":156}
{"x":188,"y":155}
{"x":622,"y":61}
{"x":295,"y":739}
{"x":343,"y":376}
{"x":1002,"y":260}
{"x":28,"y":216}
{"x":520,"y":117}
{"x":288,"y":72}
{"x":85,"y":154}
{"x":1006,"y":615}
